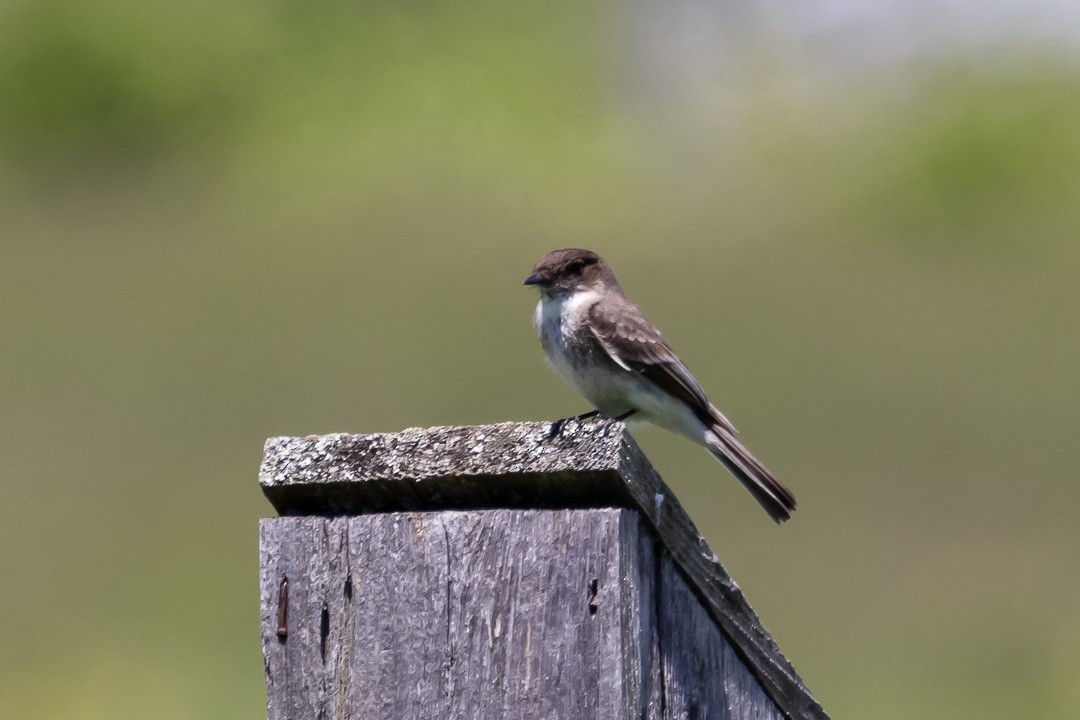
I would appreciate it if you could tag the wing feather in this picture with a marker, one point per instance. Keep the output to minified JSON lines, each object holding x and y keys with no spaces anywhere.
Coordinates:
{"x":635,"y":345}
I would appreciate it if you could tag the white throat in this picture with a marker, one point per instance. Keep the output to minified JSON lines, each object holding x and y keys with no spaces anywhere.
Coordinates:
{"x":558,"y":317}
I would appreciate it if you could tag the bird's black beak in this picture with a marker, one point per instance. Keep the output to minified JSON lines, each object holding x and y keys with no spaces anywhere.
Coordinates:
{"x":534,"y":279}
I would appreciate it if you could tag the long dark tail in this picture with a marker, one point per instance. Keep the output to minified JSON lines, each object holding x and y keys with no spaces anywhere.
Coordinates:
{"x":755,"y":477}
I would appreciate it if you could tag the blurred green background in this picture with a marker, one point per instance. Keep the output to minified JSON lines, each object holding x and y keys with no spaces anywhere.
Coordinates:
{"x":225,"y":221}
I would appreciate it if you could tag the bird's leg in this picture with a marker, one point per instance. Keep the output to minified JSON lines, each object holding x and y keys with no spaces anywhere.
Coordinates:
{"x":557,"y":426}
{"x":622,"y":417}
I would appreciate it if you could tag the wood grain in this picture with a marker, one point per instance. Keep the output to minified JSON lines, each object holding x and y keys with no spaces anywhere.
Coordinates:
{"x":473,"y":571}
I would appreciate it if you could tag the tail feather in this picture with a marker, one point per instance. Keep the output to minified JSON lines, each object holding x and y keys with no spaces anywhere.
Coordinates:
{"x":777,"y":500}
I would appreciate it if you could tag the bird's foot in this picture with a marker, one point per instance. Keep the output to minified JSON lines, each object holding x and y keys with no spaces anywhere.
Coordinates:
{"x":557,"y":426}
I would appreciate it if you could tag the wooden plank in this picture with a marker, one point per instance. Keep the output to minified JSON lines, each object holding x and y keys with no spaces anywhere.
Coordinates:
{"x":535,"y":614}
{"x":511,"y":465}
{"x":641,"y":660}
{"x":703,"y":676}
{"x":302,"y":575}
{"x":366,"y":596}
{"x":517,"y":465}
{"x":401,"y":658}
{"x":500,"y":613}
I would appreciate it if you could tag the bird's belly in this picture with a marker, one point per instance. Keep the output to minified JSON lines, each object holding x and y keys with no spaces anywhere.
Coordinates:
{"x":615,"y":392}
{"x":610,"y":391}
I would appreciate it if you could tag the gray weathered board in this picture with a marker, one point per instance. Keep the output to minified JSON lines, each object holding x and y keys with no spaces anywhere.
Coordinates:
{"x":492,"y":572}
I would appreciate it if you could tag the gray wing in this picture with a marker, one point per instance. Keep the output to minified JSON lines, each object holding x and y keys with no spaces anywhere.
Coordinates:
{"x":635,"y":345}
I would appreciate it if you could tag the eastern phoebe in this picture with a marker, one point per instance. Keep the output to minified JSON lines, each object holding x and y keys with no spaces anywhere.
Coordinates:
{"x":602,"y":345}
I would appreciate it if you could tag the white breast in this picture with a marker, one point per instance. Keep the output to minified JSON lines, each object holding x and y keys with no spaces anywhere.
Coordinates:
{"x":561,"y":317}
{"x":558,"y":323}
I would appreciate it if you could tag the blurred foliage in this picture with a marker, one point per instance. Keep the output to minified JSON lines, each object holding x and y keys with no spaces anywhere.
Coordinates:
{"x":234,"y":220}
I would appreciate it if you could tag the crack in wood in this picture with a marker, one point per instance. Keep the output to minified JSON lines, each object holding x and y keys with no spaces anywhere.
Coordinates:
{"x":449,"y":639}
{"x":324,"y":630}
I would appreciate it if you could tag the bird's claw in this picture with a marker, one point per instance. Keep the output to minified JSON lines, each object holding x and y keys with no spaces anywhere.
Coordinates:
{"x":557,"y":427}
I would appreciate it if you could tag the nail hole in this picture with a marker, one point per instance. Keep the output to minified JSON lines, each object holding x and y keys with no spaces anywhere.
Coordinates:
{"x":348,"y":588}
{"x":594,"y":588}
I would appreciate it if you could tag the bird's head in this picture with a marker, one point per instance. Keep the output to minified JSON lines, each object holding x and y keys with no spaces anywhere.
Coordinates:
{"x":562,"y":273}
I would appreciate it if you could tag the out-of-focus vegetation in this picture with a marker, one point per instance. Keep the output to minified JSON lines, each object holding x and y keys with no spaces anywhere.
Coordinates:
{"x":224,"y":221}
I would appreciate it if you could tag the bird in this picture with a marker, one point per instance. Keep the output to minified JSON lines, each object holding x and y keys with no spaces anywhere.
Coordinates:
{"x":602,"y":345}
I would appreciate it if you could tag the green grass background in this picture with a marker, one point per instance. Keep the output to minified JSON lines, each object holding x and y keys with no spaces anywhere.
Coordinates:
{"x":225,"y":221}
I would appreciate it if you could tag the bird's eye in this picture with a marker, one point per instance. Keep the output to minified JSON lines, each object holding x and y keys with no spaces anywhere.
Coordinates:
{"x":576,"y":267}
